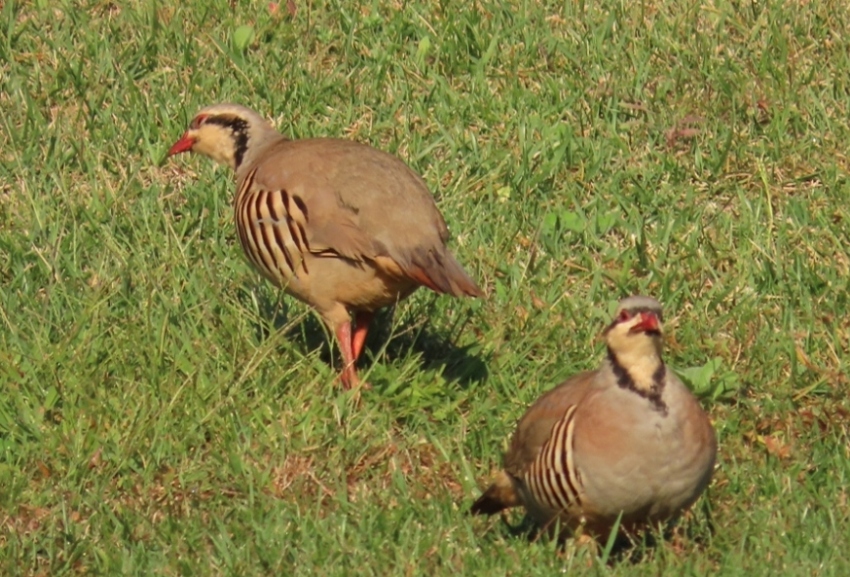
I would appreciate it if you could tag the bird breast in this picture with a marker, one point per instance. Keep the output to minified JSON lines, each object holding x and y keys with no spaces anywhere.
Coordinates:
{"x":633,"y":458}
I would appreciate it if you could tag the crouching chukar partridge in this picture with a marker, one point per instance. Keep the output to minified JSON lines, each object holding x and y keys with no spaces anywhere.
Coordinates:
{"x":341,"y":226}
{"x":628,"y":438}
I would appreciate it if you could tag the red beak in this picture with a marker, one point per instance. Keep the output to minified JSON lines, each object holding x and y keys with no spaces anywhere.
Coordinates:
{"x":185,"y":144}
{"x":648,"y":323}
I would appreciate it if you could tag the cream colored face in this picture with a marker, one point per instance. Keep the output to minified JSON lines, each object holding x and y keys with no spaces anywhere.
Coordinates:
{"x":637,"y":331}
{"x":220,"y":135}
{"x":215,"y":141}
{"x":634,"y":338}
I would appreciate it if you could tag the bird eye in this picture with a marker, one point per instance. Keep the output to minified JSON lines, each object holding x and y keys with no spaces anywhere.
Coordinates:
{"x":624,"y":316}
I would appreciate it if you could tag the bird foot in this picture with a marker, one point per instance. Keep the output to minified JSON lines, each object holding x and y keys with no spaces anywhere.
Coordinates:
{"x":350,"y":381}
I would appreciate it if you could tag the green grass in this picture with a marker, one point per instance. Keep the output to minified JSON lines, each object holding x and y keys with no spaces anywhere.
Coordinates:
{"x":163,"y":411}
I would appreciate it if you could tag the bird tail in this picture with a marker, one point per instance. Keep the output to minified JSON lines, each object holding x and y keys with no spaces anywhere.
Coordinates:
{"x":442,"y":273}
{"x":499,"y":496}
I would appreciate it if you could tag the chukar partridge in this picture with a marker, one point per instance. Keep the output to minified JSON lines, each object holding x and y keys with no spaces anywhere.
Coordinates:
{"x":341,"y":226}
{"x":627,"y":439}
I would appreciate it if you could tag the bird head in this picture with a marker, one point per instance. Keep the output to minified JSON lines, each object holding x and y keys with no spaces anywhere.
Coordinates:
{"x":224,"y":132}
{"x":636,"y":330}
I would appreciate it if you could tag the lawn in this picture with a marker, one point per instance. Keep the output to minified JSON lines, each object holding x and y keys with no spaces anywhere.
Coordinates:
{"x":164,"y":411}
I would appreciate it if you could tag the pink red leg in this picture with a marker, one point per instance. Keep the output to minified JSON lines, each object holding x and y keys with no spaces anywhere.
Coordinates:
{"x":348,"y":374}
{"x":361,"y":329}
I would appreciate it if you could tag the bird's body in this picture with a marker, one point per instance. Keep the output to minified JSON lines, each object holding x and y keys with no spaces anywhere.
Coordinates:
{"x":339,"y":225}
{"x":626,"y":441}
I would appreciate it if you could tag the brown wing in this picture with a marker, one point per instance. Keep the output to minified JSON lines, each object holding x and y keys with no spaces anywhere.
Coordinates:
{"x":363,"y":204}
{"x":535,"y":426}
{"x":533,"y":431}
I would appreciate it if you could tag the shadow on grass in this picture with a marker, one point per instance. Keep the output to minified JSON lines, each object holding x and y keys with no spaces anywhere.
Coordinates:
{"x":386,"y":342}
{"x":631,"y":549}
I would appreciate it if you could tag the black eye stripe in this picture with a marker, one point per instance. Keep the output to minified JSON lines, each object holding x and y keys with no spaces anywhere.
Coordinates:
{"x":238,"y":128}
{"x":234,"y":123}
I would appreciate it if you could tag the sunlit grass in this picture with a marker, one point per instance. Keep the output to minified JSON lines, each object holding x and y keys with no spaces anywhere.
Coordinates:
{"x":165,"y":411}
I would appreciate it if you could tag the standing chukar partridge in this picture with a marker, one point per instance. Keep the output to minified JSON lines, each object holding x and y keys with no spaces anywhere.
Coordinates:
{"x":628,"y":438}
{"x":341,"y":226}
